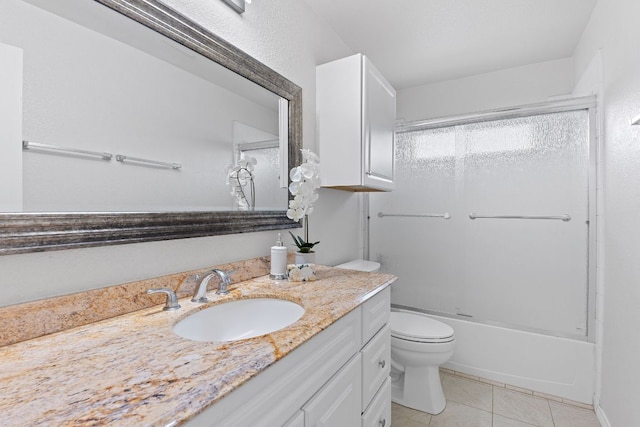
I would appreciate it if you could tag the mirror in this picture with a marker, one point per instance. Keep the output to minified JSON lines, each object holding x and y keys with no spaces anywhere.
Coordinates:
{"x":149,"y":117}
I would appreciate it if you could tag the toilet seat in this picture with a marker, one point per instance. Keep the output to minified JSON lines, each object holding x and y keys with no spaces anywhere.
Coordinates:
{"x":418,"y":328}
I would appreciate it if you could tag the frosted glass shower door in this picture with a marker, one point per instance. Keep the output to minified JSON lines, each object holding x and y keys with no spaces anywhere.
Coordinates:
{"x":422,"y":252}
{"x":268,"y":193}
{"x":525,"y":273}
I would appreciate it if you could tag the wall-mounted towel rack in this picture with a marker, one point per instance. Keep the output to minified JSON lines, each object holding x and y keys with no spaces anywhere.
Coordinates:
{"x":564,"y":217}
{"x":28,"y":144}
{"x":442,"y":215}
{"x":122,"y":158}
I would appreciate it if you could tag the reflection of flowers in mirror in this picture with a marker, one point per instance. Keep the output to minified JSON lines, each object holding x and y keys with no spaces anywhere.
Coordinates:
{"x":305,"y":181}
{"x":238,"y":176}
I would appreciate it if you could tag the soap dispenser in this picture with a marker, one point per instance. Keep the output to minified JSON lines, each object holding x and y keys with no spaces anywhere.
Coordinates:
{"x":279,"y":260}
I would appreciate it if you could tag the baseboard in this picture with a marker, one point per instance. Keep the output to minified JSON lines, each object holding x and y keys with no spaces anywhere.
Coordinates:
{"x":519,"y":389}
{"x":602,"y":417}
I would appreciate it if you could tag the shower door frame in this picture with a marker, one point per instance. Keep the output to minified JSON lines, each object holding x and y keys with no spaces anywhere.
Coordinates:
{"x":587,"y":103}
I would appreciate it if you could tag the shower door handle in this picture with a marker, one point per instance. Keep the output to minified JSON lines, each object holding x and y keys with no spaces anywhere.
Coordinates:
{"x":564,"y":217}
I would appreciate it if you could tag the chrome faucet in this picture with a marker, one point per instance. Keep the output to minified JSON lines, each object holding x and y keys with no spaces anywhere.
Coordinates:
{"x":171,"y":302}
{"x":201,"y":287}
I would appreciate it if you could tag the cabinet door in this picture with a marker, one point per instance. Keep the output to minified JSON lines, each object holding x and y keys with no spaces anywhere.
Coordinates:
{"x":296,"y":421}
{"x":376,"y":364}
{"x":338,"y":402}
{"x":379,"y":412}
{"x":375,"y":314}
{"x":379,"y":122}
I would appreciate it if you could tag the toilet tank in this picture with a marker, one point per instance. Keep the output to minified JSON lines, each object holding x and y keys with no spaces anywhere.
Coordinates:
{"x":361,"y":265}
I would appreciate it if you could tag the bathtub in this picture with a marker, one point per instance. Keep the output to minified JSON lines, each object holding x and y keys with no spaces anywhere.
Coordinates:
{"x":556,"y":366}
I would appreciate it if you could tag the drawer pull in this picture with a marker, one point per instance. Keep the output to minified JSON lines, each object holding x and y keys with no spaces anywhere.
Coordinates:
{"x":382,"y":363}
{"x":383,"y":422}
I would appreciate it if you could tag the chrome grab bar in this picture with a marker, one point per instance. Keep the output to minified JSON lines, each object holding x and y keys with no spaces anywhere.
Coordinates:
{"x":443,"y":215}
{"x":122,"y":158}
{"x":565,"y":217}
{"x":26,"y":145}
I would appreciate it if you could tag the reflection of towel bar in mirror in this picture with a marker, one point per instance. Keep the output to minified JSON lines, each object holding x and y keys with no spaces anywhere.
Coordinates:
{"x":26,"y":145}
{"x":258,"y":145}
{"x":268,"y":94}
{"x":443,"y":215}
{"x":565,"y":217}
{"x":126,"y":159}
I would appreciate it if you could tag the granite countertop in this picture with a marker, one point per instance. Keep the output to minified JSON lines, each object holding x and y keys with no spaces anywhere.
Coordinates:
{"x":133,"y":370}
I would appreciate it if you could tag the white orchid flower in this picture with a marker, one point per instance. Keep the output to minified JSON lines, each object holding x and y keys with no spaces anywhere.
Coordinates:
{"x":307,"y":170}
{"x":305,"y":180}
{"x":294,"y":187}
{"x":237,"y":177}
{"x":309,"y":156}
{"x":247,"y":163}
{"x":295,"y":174}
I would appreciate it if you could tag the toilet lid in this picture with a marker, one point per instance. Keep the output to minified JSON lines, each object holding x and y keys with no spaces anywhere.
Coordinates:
{"x":416,"y":327}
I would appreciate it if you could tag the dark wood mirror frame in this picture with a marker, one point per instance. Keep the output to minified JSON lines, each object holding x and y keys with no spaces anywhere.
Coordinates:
{"x":36,"y":232}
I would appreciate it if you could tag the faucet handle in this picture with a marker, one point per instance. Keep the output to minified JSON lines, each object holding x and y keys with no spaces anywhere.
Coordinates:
{"x":225,"y":280}
{"x":172,"y":300}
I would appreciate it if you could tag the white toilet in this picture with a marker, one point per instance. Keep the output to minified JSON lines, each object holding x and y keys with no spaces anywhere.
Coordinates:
{"x":419,"y":345}
{"x":361,"y":265}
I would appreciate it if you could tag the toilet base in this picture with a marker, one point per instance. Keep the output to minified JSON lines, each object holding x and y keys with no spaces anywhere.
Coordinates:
{"x":419,"y":388}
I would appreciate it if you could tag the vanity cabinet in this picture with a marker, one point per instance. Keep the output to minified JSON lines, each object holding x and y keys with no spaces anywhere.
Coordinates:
{"x":338,"y":402}
{"x":296,"y":421}
{"x":376,"y":364}
{"x":376,"y":361}
{"x":340,"y":377}
{"x":356,"y":112}
{"x":379,"y":412}
{"x":361,"y":392}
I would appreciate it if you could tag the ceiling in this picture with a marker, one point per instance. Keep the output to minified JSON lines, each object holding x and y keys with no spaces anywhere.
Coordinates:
{"x":417,"y":42}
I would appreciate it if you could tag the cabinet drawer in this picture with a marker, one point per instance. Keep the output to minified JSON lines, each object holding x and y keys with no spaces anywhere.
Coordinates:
{"x":296,"y":421}
{"x":379,"y":412}
{"x":376,"y":364}
{"x":375,"y":314}
{"x":336,"y":404}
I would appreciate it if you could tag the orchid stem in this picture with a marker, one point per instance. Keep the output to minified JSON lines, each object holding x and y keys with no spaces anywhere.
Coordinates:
{"x":252,"y":203}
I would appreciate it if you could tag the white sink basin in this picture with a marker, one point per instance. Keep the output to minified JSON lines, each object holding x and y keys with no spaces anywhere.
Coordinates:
{"x":239,"y":319}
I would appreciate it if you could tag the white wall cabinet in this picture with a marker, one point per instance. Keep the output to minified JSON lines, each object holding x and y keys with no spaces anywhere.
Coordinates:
{"x":356,"y":113}
{"x":322,"y":383}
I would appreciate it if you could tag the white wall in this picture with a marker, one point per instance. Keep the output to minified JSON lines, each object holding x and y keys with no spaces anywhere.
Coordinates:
{"x":286,"y":36}
{"x":613,"y":31}
{"x":85,"y":90}
{"x":514,"y":86}
{"x":10,"y":128}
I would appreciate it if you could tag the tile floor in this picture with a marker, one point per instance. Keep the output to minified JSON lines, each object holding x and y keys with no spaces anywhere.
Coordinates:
{"x":478,"y":404}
